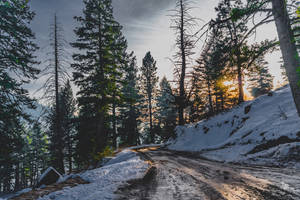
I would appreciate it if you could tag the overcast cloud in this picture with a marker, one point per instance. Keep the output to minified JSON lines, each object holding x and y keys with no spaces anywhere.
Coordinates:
{"x":126,"y":12}
{"x":146,"y":26}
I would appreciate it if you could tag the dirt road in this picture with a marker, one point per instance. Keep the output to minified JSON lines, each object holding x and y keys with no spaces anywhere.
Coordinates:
{"x":182,"y":176}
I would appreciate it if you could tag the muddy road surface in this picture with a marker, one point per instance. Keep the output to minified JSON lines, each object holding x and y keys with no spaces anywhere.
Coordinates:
{"x":182,"y":176}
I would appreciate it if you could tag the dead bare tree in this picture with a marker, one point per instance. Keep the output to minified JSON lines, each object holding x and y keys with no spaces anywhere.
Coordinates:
{"x":183,"y":24}
{"x":56,"y":75}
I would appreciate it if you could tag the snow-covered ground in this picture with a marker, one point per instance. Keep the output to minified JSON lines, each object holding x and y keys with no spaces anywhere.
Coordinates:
{"x":104,"y":181}
{"x":263,"y":131}
{"x":15,"y":194}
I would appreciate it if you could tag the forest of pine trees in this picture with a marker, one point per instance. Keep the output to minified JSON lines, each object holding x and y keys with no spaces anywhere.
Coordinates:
{"x":120,"y":102}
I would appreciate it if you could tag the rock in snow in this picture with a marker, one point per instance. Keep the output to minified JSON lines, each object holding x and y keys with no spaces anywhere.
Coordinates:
{"x":49,"y":177}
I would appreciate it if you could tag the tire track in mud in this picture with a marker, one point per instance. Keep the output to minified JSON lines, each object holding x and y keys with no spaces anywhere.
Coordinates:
{"x":180,"y":176}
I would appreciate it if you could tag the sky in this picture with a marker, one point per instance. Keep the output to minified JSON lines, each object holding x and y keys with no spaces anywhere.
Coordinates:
{"x":146,"y":26}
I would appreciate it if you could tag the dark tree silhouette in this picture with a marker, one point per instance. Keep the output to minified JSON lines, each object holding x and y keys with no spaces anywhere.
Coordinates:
{"x":182,"y":24}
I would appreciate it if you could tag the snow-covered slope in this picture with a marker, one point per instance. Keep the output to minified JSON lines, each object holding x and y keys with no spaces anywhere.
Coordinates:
{"x":104,"y":181}
{"x":265,"y":130}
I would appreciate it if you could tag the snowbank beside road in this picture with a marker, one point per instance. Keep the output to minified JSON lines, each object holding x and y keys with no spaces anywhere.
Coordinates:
{"x":265,"y":130}
{"x":104,"y":181}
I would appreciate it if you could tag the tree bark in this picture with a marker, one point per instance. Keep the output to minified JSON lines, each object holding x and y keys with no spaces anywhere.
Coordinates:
{"x":240,"y":82}
{"x":70,"y":156}
{"x":183,"y":68}
{"x":222,"y":101}
{"x":17,"y":179}
{"x":239,"y":64}
{"x":114,"y":123}
{"x":288,"y":48}
{"x":100,"y":123}
{"x":150,"y":116}
{"x":211,"y":107}
{"x":59,"y":163}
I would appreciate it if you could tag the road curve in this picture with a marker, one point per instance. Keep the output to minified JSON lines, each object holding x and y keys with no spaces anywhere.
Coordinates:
{"x":183,"y":176}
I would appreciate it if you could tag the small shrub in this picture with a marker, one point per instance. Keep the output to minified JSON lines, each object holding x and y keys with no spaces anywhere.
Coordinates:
{"x":247,"y":109}
{"x":205,"y":129}
{"x":108,"y":151}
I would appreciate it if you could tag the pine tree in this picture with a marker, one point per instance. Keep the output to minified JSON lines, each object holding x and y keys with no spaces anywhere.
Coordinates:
{"x":166,"y":111}
{"x":206,"y":71}
{"x":149,"y":81}
{"x":16,"y":61}
{"x":130,"y":108}
{"x":35,"y":155}
{"x":96,"y":72}
{"x":68,"y":109}
{"x":119,"y":48}
{"x":288,"y":44}
{"x":242,"y":55}
{"x":210,"y":93}
{"x":261,"y":81}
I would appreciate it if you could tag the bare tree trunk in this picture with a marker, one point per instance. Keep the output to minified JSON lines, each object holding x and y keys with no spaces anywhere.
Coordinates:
{"x":222,"y":101}
{"x":17,"y":177}
{"x":59,"y":160}
{"x":70,"y":156}
{"x":240,"y":82}
{"x":211,"y":107}
{"x":288,"y":48}
{"x":150,"y":116}
{"x":183,"y":68}
{"x":114,"y":122}
{"x":217,"y":103}
{"x":234,"y":36}
{"x":23,"y":178}
{"x":7,"y":184}
{"x":101,"y":137}
{"x":56,"y":74}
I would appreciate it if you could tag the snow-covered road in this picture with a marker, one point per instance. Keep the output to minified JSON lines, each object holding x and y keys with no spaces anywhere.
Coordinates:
{"x":184,"y":176}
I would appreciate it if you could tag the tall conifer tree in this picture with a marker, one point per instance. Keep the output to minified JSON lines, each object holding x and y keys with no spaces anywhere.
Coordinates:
{"x":149,"y":81}
{"x":166,"y":111}
{"x":68,"y":109}
{"x":130,"y":108}
{"x":261,"y":81}
{"x":16,"y":68}
{"x":96,"y":72}
{"x":237,"y":31}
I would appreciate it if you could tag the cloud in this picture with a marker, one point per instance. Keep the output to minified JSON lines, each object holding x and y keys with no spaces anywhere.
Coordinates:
{"x":127,"y":10}
{"x":136,"y":16}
